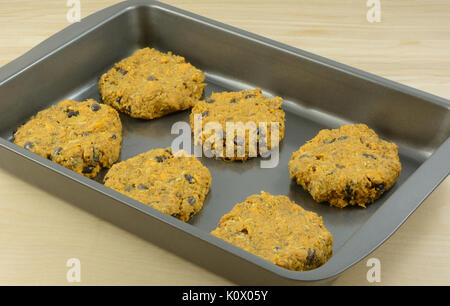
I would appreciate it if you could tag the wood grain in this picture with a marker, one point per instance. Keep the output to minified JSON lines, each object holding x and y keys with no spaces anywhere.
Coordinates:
{"x":411,"y":44}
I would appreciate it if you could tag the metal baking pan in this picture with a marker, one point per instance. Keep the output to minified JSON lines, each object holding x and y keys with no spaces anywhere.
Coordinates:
{"x":318,"y":93}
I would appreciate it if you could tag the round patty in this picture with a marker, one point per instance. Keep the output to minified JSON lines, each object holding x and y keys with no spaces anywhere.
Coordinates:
{"x":81,"y":136}
{"x":257,"y":115}
{"x":346,"y":166}
{"x":278,"y":230}
{"x":150,"y":84}
{"x":176,"y":186}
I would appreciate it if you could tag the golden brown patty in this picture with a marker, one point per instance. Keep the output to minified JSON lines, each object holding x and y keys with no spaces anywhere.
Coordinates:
{"x":150,"y":84}
{"x":81,"y":136}
{"x":176,"y":186}
{"x":249,"y":107}
{"x":278,"y":230}
{"x":346,"y":166}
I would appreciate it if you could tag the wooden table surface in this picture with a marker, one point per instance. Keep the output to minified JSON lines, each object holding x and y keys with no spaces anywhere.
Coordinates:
{"x":411,"y":45}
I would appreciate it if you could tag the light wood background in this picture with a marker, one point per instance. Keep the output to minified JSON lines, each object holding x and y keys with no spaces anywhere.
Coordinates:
{"x":411,"y":45}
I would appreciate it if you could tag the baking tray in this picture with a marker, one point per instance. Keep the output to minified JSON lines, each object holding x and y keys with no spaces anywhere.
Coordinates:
{"x":319,"y":93}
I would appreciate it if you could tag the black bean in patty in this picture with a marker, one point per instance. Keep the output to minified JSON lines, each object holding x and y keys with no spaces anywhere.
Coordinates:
{"x":88,"y":169}
{"x":95,"y":156}
{"x":71,"y":113}
{"x":379,"y":187}
{"x":95,"y":107}
{"x":129,"y":188}
{"x":159,"y":159}
{"x":191,"y":200}
{"x":310,"y":257}
{"x":57,"y":151}
{"x":348,"y":190}
{"x":369,"y":156}
{"x":142,"y":186}
{"x":123,"y":72}
{"x":189,"y":178}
